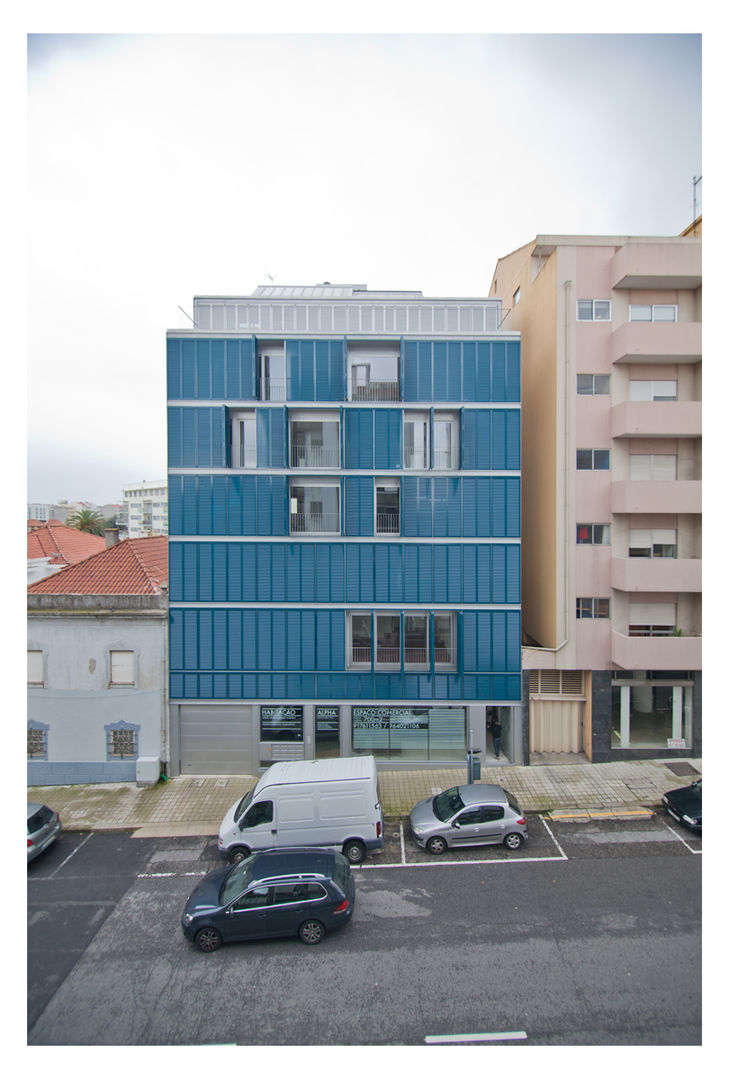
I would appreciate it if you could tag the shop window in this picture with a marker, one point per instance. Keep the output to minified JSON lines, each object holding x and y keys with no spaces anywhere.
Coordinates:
{"x":282,"y":723}
{"x":651,"y":713}
{"x":409,"y":734}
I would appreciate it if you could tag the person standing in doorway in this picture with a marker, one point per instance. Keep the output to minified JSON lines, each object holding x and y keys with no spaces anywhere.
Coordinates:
{"x":496,"y":734}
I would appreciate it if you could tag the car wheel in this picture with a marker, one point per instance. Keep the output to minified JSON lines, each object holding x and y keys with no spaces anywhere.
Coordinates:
{"x":513,"y":841}
{"x":311,"y":932}
{"x":208,"y":939}
{"x":437,"y":845}
{"x":238,"y":854}
{"x":354,"y":851}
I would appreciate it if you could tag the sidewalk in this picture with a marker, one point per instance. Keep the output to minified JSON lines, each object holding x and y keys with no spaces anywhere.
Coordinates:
{"x":196,"y":805}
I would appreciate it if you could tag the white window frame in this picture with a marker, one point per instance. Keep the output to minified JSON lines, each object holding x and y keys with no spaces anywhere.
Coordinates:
{"x":592,"y":452}
{"x":592,"y":526}
{"x":416,"y":665}
{"x":452,"y":419}
{"x":651,"y":389}
{"x":247,"y":449}
{"x":308,"y":457}
{"x":311,"y":482}
{"x":417,"y":418}
{"x":593,"y":317}
{"x":36,"y":667}
{"x":593,"y":392}
{"x":387,"y":484}
{"x":649,"y":540}
{"x":125,"y":663}
{"x":652,"y":312}
{"x":444,"y":664}
{"x":272,"y":387}
{"x":593,"y":607}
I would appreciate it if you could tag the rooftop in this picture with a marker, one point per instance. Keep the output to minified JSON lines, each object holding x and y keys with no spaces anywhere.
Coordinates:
{"x":134,"y":567}
{"x":61,"y":544}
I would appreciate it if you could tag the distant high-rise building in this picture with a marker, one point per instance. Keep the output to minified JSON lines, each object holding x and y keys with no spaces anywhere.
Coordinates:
{"x":145,"y":503}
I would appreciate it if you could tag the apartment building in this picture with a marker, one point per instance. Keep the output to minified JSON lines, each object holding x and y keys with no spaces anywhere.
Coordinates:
{"x":344,"y":492}
{"x":145,"y":503}
{"x":612,"y":355}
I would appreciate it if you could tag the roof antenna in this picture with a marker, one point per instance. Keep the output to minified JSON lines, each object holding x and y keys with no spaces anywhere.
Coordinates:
{"x":192,"y":320}
{"x":695,"y":182}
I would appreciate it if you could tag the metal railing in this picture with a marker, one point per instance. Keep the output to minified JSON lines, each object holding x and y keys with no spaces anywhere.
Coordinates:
{"x":314,"y":523}
{"x":273,"y":389}
{"x":361,"y":654}
{"x":416,"y":459}
{"x":377,"y":391}
{"x":387,"y":523}
{"x":387,"y":654}
{"x":315,"y":457}
{"x":443,"y":459}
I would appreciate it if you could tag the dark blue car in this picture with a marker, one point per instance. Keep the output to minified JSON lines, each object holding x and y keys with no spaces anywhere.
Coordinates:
{"x":274,"y":893}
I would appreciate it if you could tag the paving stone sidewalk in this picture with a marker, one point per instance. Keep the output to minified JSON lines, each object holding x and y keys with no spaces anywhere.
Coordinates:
{"x":196,"y":805}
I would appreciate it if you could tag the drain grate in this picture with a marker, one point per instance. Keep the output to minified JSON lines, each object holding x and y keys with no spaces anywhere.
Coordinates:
{"x":682,"y":768}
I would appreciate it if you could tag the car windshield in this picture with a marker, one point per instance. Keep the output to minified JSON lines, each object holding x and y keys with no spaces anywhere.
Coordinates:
{"x":447,"y":803}
{"x":236,"y":881}
{"x":243,"y":805}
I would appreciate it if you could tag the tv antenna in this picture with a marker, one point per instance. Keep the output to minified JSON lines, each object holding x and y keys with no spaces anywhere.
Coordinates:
{"x":695,"y":181}
{"x":192,"y":320}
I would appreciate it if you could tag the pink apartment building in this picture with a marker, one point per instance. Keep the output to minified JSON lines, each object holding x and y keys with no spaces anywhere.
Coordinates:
{"x":611,"y":536}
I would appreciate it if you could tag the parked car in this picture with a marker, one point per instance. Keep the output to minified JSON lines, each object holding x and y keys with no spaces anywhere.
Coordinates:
{"x":44,"y":825}
{"x":466,"y":816}
{"x":685,"y":805}
{"x":275,"y":893}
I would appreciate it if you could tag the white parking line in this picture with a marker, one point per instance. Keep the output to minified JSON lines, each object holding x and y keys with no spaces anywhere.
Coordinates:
{"x":77,"y":848}
{"x":483,"y":1036}
{"x":462,"y":862}
{"x":681,"y":839}
{"x":402,"y":846}
{"x":550,"y":834}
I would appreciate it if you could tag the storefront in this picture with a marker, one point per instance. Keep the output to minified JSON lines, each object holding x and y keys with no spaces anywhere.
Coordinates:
{"x":652,"y":710}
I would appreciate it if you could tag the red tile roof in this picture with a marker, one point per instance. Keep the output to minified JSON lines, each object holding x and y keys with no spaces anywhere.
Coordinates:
{"x":129,"y":568}
{"x":62,"y":544}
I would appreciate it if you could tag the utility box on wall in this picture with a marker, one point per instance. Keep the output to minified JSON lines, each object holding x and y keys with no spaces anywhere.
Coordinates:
{"x":148,"y":771}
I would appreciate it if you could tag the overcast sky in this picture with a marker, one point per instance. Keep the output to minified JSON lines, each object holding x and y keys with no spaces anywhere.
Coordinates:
{"x":164,"y":166}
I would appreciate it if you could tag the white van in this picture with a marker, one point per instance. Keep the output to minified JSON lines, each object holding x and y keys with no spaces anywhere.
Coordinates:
{"x":331,"y":803}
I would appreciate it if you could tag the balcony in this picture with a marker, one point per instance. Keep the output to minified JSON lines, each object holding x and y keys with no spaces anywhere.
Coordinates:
{"x":656,"y":575}
{"x":315,"y":457}
{"x":656,"y":497}
{"x":314,"y":523}
{"x":387,"y":523}
{"x":668,"y":419}
{"x":377,"y":391}
{"x":658,"y":265}
{"x":656,"y":653}
{"x":657,"y":343}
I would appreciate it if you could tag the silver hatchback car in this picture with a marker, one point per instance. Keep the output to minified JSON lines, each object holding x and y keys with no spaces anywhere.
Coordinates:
{"x":467,"y":816}
{"x":44,"y":825}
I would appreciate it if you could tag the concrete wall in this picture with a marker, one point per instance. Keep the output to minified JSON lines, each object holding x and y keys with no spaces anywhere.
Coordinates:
{"x":76,"y":702}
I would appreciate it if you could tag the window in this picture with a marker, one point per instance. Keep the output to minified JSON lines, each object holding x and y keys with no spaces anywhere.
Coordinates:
{"x":593,"y":534}
{"x":652,"y":312}
{"x":361,"y":631}
{"x":653,"y":544}
{"x":415,"y":441}
{"x":121,"y":741}
{"x":38,"y":741}
{"x":653,"y":390}
{"x":255,"y":898}
{"x":592,"y":607}
{"x":592,"y":459}
{"x":652,"y":619}
{"x":35,"y":667}
{"x":314,"y":508}
{"x":387,"y":506}
{"x":295,"y":892}
{"x":387,"y":632}
{"x":415,"y":639}
{"x":121,"y":668}
{"x":272,"y":376}
{"x":315,"y":444}
{"x":444,"y":642}
{"x":409,"y":734}
{"x":594,"y":311}
{"x":653,"y":466}
{"x":261,"y":813}
{"x":282,"y":723}
{"x":594,"y":385}
{"x":374,"y":376}
{"x":243,"y":440}
{"x":445,"y":441}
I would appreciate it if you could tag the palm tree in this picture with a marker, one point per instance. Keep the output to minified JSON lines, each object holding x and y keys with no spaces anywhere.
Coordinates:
{"x":88,"y":521}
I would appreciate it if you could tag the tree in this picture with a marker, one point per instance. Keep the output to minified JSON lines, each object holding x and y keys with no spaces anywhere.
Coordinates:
{"x":88,"y":521}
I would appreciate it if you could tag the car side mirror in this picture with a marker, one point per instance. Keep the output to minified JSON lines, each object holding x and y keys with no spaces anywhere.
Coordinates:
{"x":456,"y":825}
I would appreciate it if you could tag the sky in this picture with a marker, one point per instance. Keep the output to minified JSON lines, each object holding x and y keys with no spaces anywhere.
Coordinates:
{"x":167,"y":165}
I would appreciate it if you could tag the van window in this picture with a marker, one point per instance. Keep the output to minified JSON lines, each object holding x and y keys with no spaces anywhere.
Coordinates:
{"x":261,"y":813}
{"x":245,"y":801}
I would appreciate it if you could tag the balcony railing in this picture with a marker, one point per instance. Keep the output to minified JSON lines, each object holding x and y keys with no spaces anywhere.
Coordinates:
{"x":361,"y":654}
{"x":377,"y":391}
{"x":415,"y":656}
{"x":315,"y":457}
{"x":387,"y":523}
{"x":416,"y":459}
{"x":273,"y":389}
{"x":387,"y":654}
{"x":443,"y":459}
{"x":443,"y":656}
{"x":314,"y":523}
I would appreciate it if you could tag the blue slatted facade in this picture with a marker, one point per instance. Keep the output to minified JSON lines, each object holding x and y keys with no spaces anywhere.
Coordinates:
{"x":261,"y":612}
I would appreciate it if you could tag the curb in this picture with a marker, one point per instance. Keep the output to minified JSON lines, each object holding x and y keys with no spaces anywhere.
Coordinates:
{"x":591,"y":815}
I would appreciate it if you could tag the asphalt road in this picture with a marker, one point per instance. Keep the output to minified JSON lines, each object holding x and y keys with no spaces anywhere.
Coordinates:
{"x":589,"y":935}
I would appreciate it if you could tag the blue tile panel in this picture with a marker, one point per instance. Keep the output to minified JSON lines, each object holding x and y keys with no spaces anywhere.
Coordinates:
{"x":49,"y":773}
{"x":249,"y":504}
{"x":279,"y":653}
{"x":358,"y":573}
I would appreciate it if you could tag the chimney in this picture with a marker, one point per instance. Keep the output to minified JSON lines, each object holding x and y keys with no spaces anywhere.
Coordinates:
{"x":111,"y":536}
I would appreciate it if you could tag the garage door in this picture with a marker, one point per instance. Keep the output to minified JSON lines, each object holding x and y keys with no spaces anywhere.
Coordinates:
{"x":217,"y":739}
{"x":555,"y":726}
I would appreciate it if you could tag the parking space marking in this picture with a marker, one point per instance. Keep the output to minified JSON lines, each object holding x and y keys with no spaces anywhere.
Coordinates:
{"x":483,"y":1036}
{"x":694,"y":851}
{"x":77,"y":848}
{"x":550,"y":834}
{"x":518,"y":860}
{"x":402,"y":845}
